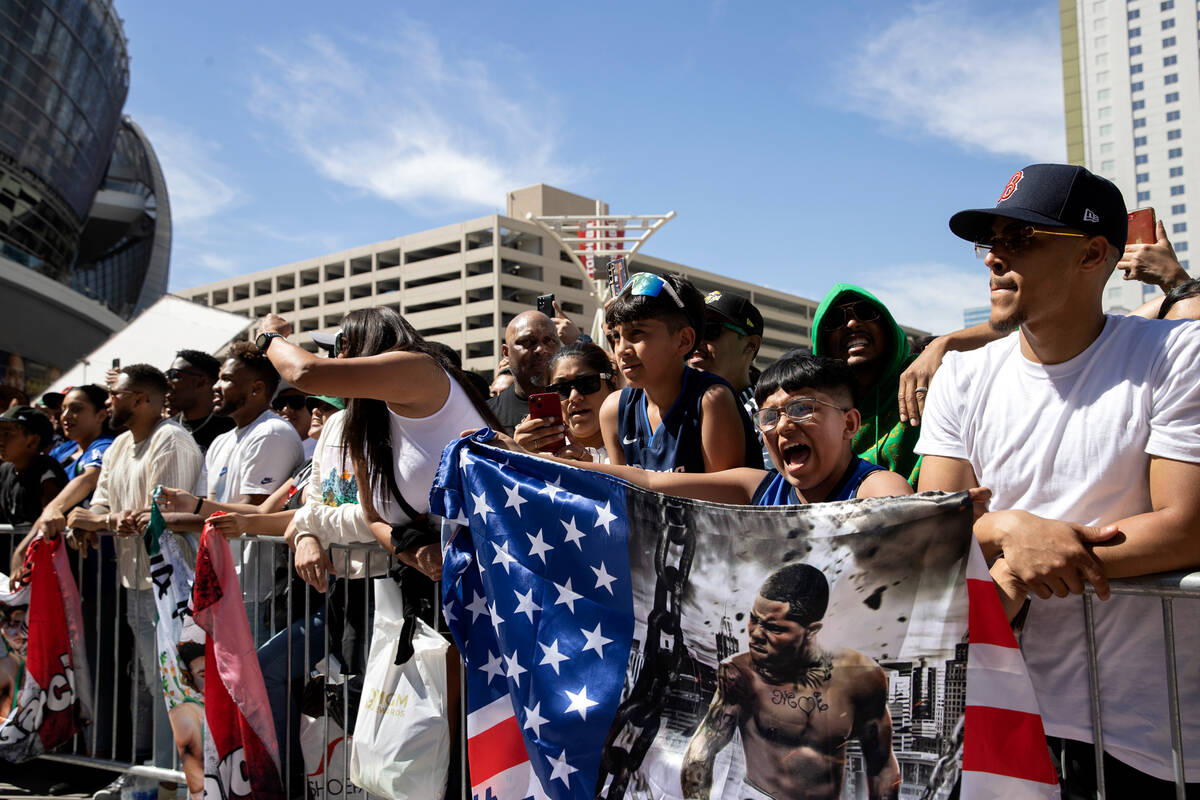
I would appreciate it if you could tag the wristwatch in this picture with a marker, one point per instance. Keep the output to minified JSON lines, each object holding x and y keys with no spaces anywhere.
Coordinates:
{"x":263,"y":341}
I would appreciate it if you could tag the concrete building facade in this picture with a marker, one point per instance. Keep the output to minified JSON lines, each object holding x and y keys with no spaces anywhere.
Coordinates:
{"x":461,"y":284}
{"x":1131,"y":73}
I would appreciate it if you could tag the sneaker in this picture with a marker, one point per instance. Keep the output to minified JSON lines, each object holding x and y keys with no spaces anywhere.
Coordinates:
{"x":113,"y":790}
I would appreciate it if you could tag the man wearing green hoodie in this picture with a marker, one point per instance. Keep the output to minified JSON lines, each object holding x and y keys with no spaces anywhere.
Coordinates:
{"x":851,"y":324}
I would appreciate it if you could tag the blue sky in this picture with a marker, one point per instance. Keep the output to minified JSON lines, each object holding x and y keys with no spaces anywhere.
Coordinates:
{"x":799,"y":143}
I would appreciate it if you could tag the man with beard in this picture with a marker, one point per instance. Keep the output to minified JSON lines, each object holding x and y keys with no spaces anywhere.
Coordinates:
{"x":247,"y":464}
{"x":851,"y":324}
{"x":150,"y":450}
{"x":795,"y":704}
{"x":530,"y":341}
{"x":190,"y":396}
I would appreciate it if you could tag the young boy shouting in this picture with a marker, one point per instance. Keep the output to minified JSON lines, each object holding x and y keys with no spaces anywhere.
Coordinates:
{"x":670,"y":417}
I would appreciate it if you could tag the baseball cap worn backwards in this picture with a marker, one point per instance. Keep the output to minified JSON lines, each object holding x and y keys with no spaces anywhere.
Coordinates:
{"x":1052,"y":196}
{"x":735,"y":309}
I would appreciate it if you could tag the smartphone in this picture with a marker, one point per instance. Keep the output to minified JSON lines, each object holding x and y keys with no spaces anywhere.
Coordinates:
{"x":116,"y":363}
{"x":616,"y":276}
{"x":548,"y":405}
{"x":545,"y":304}
{"x":1143,"y":227}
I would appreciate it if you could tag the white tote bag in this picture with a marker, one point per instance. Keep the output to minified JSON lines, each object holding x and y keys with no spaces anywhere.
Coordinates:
{"x":401,"y":747}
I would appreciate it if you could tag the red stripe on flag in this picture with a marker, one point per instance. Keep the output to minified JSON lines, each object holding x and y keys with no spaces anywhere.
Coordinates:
{"x":987,"y":623}
{"x":1005,"y":742}
{"x":498,"y":748}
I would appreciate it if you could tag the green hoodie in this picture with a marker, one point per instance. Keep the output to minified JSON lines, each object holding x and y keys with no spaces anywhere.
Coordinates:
{"x":883,"y":439}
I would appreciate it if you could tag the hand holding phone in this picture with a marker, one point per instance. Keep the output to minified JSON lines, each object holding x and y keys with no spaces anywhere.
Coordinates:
{"x":616,"y":276}
{"x":545,"y":304}
{"x":548,"y":405}
{"x":1142,"y":227}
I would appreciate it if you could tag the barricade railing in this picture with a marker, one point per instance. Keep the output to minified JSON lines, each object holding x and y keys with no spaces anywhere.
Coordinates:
{"x":1168,"y":587}
{"x":297,"y":630}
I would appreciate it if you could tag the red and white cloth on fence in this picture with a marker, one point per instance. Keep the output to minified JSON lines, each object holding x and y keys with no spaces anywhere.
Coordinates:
{"x":241,"y":755}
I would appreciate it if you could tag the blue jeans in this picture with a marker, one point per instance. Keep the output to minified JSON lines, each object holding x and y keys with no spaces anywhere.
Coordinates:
{"x":273,"y":659}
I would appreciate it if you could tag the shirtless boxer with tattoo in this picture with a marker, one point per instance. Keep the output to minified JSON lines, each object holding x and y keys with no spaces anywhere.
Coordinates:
{"x":796,"y":705}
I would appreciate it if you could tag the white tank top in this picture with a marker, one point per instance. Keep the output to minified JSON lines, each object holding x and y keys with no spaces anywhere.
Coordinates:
{"x":417,"y":445}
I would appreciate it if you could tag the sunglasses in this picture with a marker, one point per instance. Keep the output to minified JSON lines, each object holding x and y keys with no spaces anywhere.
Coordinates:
{"x":860,"y":310}
{"x":801,"y":409}
{"x":174,"y":374}
{"x":584,"y":384}
{"x":1015,"y":241}
{"x":291,"y":401}
{"x":713,"y":329}
{"x":647,"y":284}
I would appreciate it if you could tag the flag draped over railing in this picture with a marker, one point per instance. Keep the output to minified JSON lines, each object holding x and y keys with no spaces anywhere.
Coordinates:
{"x":46,"y":617}
{"x":622,"y":643}
{"x":241,"y":756}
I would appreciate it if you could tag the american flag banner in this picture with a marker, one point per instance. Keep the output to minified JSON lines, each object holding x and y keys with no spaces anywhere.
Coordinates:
{"x":622,"y":643}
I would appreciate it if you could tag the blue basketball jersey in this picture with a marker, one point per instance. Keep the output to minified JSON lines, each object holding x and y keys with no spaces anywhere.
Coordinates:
{"x":774,"y":490}
{"x":675,"y":445}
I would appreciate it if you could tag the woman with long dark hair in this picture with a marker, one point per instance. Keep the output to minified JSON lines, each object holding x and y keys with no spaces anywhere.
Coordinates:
{"x":405,"y":404}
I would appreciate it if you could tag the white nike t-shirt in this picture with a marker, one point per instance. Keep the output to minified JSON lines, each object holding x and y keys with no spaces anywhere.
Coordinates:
{"x":1073,"y":442}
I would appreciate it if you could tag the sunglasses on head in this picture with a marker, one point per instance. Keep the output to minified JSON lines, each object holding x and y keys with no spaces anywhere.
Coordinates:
{"x":713,"y":329}
{"x":584,"y":384}
{"x":860,"y":310}
{"x":647,"y":284}
{"x":294,"y":402}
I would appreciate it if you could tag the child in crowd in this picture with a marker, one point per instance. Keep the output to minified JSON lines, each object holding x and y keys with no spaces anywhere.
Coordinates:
{"x":29,"y":479}
{"x":808,"y":419}
{"x":670,"y":417}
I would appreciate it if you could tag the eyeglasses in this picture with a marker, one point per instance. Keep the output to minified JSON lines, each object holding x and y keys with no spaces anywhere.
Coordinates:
{"x":860,"y":310}
{"x":1017,"y":240}
{"x":713,"y":329}
{"x":295,"y":402}
{"x":584,"y":384}
{"x":174,"y":374}
{"x":119,"y":392}
{"x":801,"y":409}
{"x":647,"y":284}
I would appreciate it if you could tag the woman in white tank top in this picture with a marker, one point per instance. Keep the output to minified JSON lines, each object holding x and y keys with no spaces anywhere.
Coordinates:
{"x":406,"y":403}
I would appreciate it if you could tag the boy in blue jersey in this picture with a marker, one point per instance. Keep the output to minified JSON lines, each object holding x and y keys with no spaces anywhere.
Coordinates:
{"x":807,"y":416}
{"x":670,"y":417}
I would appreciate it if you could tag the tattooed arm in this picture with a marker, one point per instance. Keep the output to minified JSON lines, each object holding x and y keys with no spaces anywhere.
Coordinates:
{"x":715,"y":731}
{"x":873,"y":729}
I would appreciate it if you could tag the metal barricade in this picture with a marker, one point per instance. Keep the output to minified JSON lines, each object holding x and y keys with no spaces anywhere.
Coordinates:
{"x":121,"y":711}
{"x":1168,"y":586}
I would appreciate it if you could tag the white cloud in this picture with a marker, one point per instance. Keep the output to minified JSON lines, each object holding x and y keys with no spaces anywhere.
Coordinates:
{"x":927,"y":296}
{"x":199,"y":185}
{"x":404,"y":122}
{"x":986,"y":81}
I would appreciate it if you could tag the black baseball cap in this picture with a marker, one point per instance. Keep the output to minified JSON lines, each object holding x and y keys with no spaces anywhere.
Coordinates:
{"x":1052,"y":196}
{"x":736,"y":310}
{"x":32,"y":420}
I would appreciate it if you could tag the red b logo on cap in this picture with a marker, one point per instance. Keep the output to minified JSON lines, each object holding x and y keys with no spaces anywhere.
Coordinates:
{"x":1011,"y":186}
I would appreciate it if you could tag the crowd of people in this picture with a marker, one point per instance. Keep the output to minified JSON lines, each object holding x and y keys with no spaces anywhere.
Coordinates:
{"x":1073,"y":429}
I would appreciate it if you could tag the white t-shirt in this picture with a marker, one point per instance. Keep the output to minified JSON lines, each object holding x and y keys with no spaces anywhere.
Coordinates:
{"x":256,"y":459}
{"x":1073,"y":442}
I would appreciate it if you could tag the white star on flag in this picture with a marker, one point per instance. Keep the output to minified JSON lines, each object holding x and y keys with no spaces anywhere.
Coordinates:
{"x":464,"y":459}
{"x":514,"y":500}
{"x":525,"y":604}
{"x":573,"y":534}
{"x":560,"y":769}
{"x":461,"y":519}
{"x":478,"y":606}
{"x":604,"y":516}
{"x":579,"y":702}
{"x":497,"y":620}
{"x":492,"y":667}
{"x":603,"y":578}
{"x":503,"y":558}
{"x":515,"y":669}
{"x":566,"y":595}
{"x":595,"y":640}
{"x":448,"y":613}
{"x":534,"y":719}
{"x":552,"y":656}
{"x":552,"y":489}
{"x":538,"y":546}
{"x":481,"y":506}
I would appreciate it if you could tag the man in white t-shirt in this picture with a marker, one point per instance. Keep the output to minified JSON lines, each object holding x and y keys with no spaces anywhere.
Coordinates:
{"x":247,"y":464}
{"x":1085,"y":428}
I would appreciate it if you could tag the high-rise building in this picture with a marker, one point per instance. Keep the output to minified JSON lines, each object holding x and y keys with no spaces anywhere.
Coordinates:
{"x":1131,"y":77}
{"x":461,"y":284}
{"x":84,"y":217}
